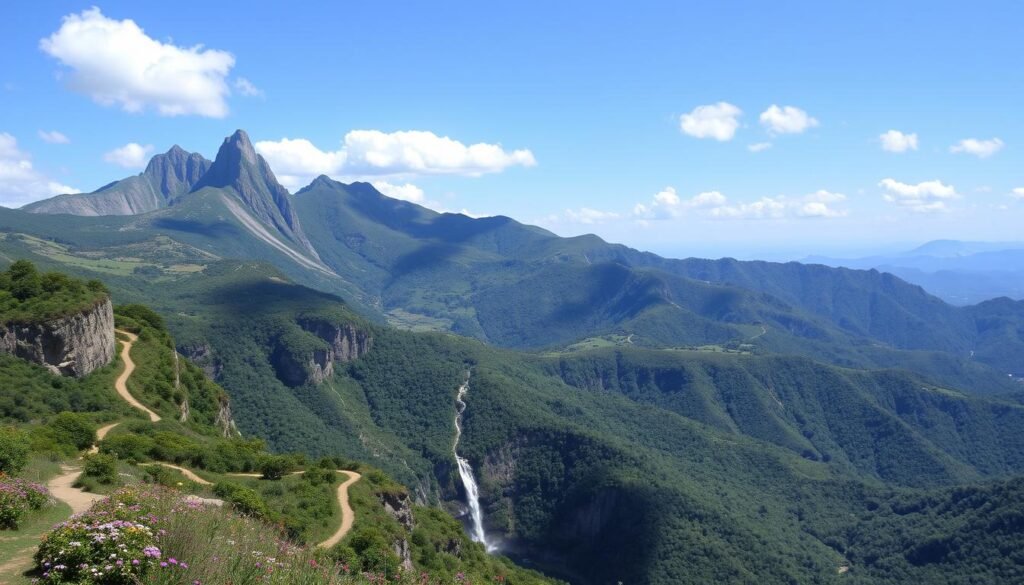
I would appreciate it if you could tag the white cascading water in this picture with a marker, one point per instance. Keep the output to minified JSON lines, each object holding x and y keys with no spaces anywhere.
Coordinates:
{"x":466,"y":473}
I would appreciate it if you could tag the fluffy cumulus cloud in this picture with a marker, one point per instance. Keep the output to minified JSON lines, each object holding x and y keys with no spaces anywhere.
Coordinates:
{"x":129,"y":156}
{"x":718,"y":121}
{"x":924,"y":197}
{"x":116,"y":63}
{"x":372,"y":153}
{"x":979,"y":148}
{"x":667,"y":204}
{"x":53,"y":137}
{"x":896,"y":141}
{"x":405,"y":192}
{"x":247,"y":88}
{"x":20,"y":182}
{"x":786,"y":120}
{"x":1017,"y":193}
{"x":759,"y":146}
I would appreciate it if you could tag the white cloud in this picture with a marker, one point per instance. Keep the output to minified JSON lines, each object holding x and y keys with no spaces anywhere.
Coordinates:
{"x":246,"y":88}
{"x":406,"y":192}
{"x":129,"y":156}
{"x":759,"y":146}
{"x":20,"y":183}
{"x":816,"y":205}
{"x":1017,"y":193}
{"x":372,"y":153}
{"x":667,"y":204}
{"x":979,"y":148}
{"x":718,"y":121}
{"x":896,"y":141}
{"x":924,"y":197}
{"x":53,"y":137}
{"x":116,"y":63}
{"x":786,"y":120}
{"x":583,"y":215}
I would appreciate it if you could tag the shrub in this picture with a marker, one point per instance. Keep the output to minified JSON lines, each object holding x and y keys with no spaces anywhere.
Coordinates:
{"x":244,"y":500}
{"x":75,"y":429}
{"x":128,"y":446}
{"x":17,"y":498}
{"x":101,"y":467}
{"x":116,"y":542}
{"x":14,"y":448}
{"x":274,"y":466}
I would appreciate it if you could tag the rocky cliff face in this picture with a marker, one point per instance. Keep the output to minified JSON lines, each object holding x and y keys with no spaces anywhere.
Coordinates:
{"x":225,"y":422}
{"x":340,"y":343}
{"x":70,"y":346}
{"x":167,"y":177}
{"x":399,"y":506}
{"x":239,"y":167}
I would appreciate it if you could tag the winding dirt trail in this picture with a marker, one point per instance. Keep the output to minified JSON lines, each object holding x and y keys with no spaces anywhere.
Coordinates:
{"x":101,"y":434}
{"x":186,"y":472}
{"x":348,"y":516}
{"x":61,"y":488}
{"x":121,"y":384}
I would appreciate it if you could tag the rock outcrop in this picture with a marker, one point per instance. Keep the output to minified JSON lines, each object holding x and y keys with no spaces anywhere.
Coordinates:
{"x":73,"y":345}
{"x":399,"y":506}
{"x":167,"y":177}
{"x":240,"y":168}
{"x":297,"y":364}
{"x":224,"y":421}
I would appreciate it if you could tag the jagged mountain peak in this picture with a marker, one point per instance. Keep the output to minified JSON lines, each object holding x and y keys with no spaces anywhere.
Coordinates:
{"x":239,"y":168}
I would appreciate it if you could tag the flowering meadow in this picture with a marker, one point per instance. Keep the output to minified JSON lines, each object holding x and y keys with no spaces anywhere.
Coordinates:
{"x":151,"y":535}
{"x":18,"y":497}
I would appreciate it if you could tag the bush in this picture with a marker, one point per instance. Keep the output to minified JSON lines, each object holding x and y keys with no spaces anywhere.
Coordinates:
{"x":116,"y":542}
{"x":246,"y":501}
{"x":129,"y":446}
{"x":14,"y":448}
{"x":17,"y":498}
{"x":75,"y":429}
{"x":101,"y":467}
{"x":274,"y":466}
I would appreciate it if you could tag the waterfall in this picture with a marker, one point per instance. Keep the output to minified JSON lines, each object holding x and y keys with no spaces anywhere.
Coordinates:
{"x":466,"y":473}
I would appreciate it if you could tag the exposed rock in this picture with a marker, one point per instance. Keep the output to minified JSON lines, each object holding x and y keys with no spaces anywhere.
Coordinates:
{"x":186,"y":412}
{"x":167,"y":177}
{"x":400,"y":508}
{"x":239,"y":167}
{"x":404,"y":552}
{"x":224,"y":421}
{"x":202,"y":356}
{"x":340,"y":343}
{"x":74,"y":345}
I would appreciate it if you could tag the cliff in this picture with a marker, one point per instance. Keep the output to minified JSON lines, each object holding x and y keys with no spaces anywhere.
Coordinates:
{"x":308,"y":356}
{"x":73,"y":345}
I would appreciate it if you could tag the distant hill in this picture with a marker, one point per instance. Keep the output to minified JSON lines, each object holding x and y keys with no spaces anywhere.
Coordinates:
{"x":960,"y":273}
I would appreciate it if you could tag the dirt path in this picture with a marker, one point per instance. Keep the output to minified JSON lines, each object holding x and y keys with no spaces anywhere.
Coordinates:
{"x":60,"y":487}
{"x":347,"y":515}
{"x":121,"y":384}
{"x":186,"y":472}
{"x":101,"y":433}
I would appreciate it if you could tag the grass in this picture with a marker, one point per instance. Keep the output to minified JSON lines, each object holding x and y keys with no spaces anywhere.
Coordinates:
{"x":18,"y":546}
{"x":403,"y":319}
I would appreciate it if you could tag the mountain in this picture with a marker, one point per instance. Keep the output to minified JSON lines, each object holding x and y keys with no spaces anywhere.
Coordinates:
{"x":167,"y":176}
{"x":960,"y":273}
{"x":627,"y":417}
{"x":238,"y":168}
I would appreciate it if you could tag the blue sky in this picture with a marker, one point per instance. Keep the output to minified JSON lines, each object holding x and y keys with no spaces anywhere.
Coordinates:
{"x":634,"y":122}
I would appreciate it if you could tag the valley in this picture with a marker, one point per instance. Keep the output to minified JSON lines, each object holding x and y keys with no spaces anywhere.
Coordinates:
{"x":629,"y":418}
